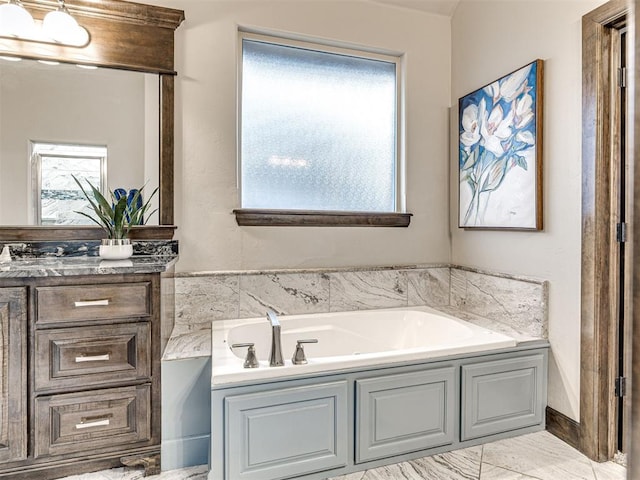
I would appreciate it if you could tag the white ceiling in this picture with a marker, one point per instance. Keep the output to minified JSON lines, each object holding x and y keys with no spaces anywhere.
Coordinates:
{"x":439,"y":7}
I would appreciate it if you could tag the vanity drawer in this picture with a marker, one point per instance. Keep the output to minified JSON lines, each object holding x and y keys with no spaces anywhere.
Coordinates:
{"x":85,"y":422}
{"x":73,"y":357}
{"x":63,"y":304}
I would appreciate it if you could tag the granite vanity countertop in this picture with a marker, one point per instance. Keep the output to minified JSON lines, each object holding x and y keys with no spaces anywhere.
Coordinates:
{"x":84,"y":265}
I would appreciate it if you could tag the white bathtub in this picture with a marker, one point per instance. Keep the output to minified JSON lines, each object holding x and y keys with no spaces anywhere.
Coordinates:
{"x":346,"y":340}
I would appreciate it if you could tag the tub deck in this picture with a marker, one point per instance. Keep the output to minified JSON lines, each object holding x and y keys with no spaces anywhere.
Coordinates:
{"x":347,"y":340}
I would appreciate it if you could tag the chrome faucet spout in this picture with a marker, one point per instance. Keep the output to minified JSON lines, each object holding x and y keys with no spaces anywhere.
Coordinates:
{"x":275,"y":355}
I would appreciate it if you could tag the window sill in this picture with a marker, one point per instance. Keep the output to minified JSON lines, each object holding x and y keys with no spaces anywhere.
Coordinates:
{"x":309,"y":218}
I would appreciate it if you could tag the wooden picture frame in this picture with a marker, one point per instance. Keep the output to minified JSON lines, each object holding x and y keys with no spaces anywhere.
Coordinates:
{"x":500,"y":152}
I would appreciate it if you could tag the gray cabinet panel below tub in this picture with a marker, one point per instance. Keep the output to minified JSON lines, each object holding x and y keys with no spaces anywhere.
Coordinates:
{"x":286,"y":432}
{"x":502,"y":395}
{"x":403,"y":413}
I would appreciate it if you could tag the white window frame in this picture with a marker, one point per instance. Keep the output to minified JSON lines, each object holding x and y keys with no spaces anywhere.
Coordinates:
{"x":326,"y":47}
{"x":66,"y":151}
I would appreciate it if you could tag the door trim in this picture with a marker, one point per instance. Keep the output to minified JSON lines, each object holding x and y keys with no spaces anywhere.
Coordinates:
{"x":598,"y":333}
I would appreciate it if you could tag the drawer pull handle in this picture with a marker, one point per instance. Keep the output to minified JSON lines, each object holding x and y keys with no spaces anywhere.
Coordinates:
{"x":100,"y":357}
{"x":98,"y":422}
{"x":92,"y":303}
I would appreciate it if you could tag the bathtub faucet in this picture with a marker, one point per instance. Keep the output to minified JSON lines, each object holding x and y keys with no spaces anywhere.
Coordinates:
{"x":275,"y":356}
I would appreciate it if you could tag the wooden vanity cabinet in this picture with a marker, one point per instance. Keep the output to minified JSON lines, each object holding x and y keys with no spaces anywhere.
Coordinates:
{"x":13,"y":375}
{"x":88,"y":348}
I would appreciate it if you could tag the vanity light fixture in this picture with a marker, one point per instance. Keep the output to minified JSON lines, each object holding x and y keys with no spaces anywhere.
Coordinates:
{"x":57,"y":27}
{"x":10,"y":59}
{"x":61,"y":27}
{"x":15,"y":20}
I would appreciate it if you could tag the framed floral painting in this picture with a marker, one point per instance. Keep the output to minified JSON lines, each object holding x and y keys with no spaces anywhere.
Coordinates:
{"x":500,"y":153}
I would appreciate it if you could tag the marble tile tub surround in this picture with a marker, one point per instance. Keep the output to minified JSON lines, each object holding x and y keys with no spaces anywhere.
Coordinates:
{"x":518,"y":303}
{"x":55,"y":249}
{"x":203,"y":297}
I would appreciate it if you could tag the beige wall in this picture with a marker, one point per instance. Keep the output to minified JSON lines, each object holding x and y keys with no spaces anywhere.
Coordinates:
{"x":206,"y":56}
{"x":490,"y":39}
{"x":59,"y":104}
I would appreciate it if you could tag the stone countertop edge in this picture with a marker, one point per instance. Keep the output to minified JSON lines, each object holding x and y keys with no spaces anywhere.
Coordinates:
{"x":197,"y":343}
{"x":88,"y":265}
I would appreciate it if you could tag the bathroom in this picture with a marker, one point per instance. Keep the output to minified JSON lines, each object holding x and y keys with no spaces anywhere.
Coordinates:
{"x":529,"y":278}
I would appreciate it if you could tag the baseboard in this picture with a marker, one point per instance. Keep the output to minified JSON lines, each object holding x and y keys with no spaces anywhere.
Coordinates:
{"x":185,"y":452}
{"x":563,"y":427}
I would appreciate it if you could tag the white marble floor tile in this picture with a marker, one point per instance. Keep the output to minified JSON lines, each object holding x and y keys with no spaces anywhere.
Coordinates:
{"x":404,"y":471}
{"x":457,"y":465}
{"x":350,"y":476}
{"x":491,"y":472}
{"x":191,"y":473}
{"x":539,"y":455}
{"x":609,"y":471}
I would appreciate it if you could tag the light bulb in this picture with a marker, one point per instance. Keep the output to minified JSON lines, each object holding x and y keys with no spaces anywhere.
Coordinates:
{"x":15,"y":21}
{"x":61,"y":27}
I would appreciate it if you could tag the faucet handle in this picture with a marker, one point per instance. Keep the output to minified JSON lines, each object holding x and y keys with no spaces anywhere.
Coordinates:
{"x":250,"y":361}
{"x":299,"y":357}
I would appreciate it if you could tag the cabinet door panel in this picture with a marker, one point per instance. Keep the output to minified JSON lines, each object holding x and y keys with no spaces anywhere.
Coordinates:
{"x":502,"y":395}
{"x":404,"y":413}
{"x":286,"y":433}
{"x":13,"y":374}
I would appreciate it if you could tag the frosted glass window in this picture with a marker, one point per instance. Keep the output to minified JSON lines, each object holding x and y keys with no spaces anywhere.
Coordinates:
{"x":57,"y":196}
{"x":318,"y":129}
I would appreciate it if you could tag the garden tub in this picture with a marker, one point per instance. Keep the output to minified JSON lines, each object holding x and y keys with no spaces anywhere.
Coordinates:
{"x":346,"y":340}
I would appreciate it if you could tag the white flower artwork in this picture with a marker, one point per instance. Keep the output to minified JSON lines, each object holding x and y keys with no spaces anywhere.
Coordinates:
{"x":500,"y":151}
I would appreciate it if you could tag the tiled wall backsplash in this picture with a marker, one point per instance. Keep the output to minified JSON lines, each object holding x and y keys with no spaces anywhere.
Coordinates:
{"x":519,"y":303}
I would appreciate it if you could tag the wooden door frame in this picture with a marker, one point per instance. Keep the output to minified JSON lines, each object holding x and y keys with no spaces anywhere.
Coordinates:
{"x":598,"y":337}
{"x":634,"y":427}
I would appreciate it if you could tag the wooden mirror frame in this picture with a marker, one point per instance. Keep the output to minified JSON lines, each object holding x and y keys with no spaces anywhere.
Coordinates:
{"x":147,"y":31}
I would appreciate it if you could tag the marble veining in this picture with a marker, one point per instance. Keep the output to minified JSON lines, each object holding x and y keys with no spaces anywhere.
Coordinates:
{"x":375,"y":268}
{"x":199,"y":300}
{"x":537,"y":456}
{"x":520,"y":335}
{"x":511,"y":305}
{"x":58,"y":249}
{"x":192,"y":473}
{"x":522,"y":305}
{"x":286,"y":294}
{"x":461,"y":464}
{"x":366,"y":290}
{"x":428,"y":286}
{"x":67,"y":266}
{"x":551,"y":459}
{"x":188,"y":344}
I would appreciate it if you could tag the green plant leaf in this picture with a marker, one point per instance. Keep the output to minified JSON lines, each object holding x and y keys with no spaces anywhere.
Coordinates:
{"x":118,"y":216}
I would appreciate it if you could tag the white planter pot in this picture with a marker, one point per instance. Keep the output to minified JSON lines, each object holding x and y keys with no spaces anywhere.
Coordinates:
{"x":115,"y":248}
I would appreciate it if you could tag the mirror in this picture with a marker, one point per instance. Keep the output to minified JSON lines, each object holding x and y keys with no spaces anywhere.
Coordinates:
{"x":124,"y":37}
{"x":52,"y":117}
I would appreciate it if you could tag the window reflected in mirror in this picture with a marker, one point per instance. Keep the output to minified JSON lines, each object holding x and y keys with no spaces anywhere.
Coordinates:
{"x":58,"y":199}
{"x":68,"y":106}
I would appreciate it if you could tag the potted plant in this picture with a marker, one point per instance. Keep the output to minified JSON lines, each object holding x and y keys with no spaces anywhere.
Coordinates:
{"x":116,"y":217}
